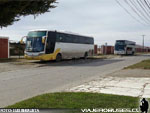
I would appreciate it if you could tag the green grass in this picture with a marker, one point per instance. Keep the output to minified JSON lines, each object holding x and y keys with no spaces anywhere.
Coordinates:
{"x":140,"y":53}
{"x":78,"y":100}
{"x":145,"y":64}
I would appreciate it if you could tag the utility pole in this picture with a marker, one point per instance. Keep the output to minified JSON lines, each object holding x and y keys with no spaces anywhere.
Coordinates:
{"x":106,"y":48}
{"x":143,"y":41}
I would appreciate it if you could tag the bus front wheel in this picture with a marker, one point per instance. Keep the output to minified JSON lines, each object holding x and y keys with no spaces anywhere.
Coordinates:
{"x":58,"y":57}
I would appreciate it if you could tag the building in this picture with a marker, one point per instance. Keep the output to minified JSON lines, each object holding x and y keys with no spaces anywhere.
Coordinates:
{"x":107,"y":49}
{"x":95,"y":49}
{"x":4,"y":47}
{"x":140,"y":49}
{"x":104,"y":49}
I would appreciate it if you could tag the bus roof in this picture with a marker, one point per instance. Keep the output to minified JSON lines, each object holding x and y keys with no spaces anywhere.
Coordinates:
{"x":62,"y":31}
{"x":127,"y":41}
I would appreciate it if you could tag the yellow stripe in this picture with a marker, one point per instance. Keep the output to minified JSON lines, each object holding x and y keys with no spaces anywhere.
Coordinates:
{"x":44,"y":57}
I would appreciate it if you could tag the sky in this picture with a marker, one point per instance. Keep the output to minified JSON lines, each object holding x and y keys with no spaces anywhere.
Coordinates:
{"x":105,"y":20}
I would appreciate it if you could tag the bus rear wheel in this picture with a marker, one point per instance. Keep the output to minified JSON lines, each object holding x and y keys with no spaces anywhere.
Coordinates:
{"x":85,"y":55}
{"x":133,"y":53}
{"x":58,"y":57}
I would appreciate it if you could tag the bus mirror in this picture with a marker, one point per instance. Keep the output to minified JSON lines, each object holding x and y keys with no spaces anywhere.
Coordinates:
{"x":43,"y":39}
{"x":21,"y":41}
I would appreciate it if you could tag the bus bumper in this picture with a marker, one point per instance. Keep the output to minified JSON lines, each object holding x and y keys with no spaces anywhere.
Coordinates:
{"x":119,"y":52}
{"x":41,"y":57}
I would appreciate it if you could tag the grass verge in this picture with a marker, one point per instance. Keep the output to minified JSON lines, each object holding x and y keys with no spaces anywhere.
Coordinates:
{"x":145,"y":64}
{"x":78,"y":100}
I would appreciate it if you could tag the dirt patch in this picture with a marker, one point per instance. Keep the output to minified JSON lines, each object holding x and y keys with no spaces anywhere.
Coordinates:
{"x":16,"y":64}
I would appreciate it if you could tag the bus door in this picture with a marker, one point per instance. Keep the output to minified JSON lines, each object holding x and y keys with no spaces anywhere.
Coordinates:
{"x":129,"y":50}
{"x":50,"y":44}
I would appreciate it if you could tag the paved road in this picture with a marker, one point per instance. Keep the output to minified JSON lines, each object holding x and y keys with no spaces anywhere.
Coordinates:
{"x":52,"y":77}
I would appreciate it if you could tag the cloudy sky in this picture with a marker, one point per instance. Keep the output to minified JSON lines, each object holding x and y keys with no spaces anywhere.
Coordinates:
{"x":105,"y":20}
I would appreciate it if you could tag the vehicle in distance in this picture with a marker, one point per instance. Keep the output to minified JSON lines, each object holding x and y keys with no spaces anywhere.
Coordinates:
{"x":124,"y":47}
{"x":56,"y":45}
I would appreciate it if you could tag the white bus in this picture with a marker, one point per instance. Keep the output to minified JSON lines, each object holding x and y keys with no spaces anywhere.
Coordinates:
{"x":56,"y":45}
{"x":124,"y":47}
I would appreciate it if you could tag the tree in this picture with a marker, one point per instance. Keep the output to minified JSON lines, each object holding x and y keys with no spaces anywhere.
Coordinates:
{"x":12,"y":10}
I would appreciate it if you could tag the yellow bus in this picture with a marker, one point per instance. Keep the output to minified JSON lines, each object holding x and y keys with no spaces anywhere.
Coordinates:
{"x":57,"y":45}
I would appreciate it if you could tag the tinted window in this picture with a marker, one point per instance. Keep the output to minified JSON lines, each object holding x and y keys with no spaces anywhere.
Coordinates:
{"x":68,"y":38}
{"x":75,"y":39}
{"x":34,"y":44}
{"x":61,"y":37}
{"x":34,"y":41}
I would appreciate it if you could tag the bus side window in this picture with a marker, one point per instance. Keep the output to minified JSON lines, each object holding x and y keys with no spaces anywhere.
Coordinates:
{"x":129,"y":49}
{"x":80,"y":40}
{"x":75,"y":39}
{"x":61,"y":37}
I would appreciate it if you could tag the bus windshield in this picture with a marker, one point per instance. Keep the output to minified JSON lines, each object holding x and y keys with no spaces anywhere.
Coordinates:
{"x":34,"y":41}
{"x":120,"y":42}
{"x":120,"y":45}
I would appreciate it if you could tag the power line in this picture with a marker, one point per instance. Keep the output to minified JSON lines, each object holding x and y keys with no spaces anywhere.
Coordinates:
{"x":135,"y":11}
{"x":145,"y":11}
{"x":146,"y":8}
{"x":141,"y":12}
{"x":147,"y":4}
{"x":130,"y":13}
